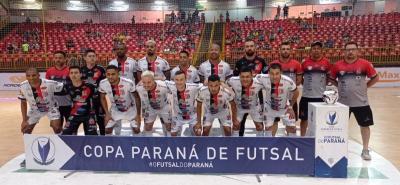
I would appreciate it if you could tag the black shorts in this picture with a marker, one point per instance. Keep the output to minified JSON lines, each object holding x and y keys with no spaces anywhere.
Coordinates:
{"x":72,"y":126}
{"x":295,"y":110}
{"x":303,"y":113}
{"x":363,"y":115}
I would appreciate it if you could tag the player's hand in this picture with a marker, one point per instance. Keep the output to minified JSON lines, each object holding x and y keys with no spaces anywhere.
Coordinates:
{"x":197,"y":129}
{"x":24,"y":126}
{"x":236,"y":124}
{"x":107,"y":118}
{"x":290,"y":112}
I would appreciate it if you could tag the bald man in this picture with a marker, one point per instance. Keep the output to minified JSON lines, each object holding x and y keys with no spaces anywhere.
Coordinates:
{"x":154,"y":63}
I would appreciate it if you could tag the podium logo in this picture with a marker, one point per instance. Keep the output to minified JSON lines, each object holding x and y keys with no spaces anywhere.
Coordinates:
{"x":43,"y":151}
{"x":331,"y":118}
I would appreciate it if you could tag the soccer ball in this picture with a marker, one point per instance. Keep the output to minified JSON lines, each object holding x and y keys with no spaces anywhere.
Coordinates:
{"x":330,"y":97}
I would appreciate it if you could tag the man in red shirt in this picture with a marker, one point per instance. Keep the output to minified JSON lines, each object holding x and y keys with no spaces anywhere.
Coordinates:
{"x":351,"y":74}
{"x":292,"y":69}
{"x":316,"y":69}
{"x":60,"y":73}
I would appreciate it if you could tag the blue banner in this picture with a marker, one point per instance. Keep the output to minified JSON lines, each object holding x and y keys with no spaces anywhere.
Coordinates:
{"x":251,"y":155}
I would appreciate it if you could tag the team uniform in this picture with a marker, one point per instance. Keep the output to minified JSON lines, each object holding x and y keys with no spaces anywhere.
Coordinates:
{"x":184,"y":106}
{"x":62,"y":98}
{"x":158,"y":67}
{"x":247,"y":100}
{"x":216,"y":106}
{"x":155,"y":102}
{"x":277,"y":102}
{"x":315,"y":81}
{"x":82,"y":109}
{"x":94,"y":76}
{"x":127,"y":68}
{"x":223,"y":70}
{"x":292,"y":68}
{"x":123,"y":105}
{"x":41,"y":100}
{"x":352,"y":87}
{"x":258,"y":65}
{"x":191,"y":74}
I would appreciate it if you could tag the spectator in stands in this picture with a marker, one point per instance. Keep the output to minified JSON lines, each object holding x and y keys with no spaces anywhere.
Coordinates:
{"x":251,"y":19}
{"x":221,"y":18}
{"x":330,"y":43}
{"x":278,"y":11}
{"x":10,"y":49}
{"x":246,"y":19}
{"x":261,"y":37}
{"x":272,"y":36}
{"x":346,"y":37}
{"x":91,"y":21}
{"x":227,"y":17}
{"x":28,"y":20}
{"x":133,"y":19}
{"x":285,"y":12}
{"x":25,"y":47}
{"x":280,"y":29}
{"x":203,"y":18}
{"x":70,"y":43}
{"x":173,"y":17}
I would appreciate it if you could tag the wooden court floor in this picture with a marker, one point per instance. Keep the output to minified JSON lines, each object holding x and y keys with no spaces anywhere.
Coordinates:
{"x":385,"y":134}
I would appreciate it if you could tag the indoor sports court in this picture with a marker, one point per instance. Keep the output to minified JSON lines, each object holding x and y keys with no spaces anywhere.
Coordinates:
{"x":33,"y":31}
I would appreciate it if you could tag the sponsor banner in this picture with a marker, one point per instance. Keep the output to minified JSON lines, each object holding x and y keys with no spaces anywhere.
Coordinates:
{"x":11,"y":81}
{"x":388,"y":77}
{"x":329,"y":125}
{"x":250,"y":155}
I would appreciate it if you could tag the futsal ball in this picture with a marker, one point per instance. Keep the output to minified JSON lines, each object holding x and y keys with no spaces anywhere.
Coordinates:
{"x":330,"y":97}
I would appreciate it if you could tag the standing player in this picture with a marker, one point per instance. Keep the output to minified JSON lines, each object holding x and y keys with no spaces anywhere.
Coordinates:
{"x":216,"y":99}
{"x":352,"y":85}
{"x":60,"y":73}
{"x":184,"y":99}
{"x":190,"y":71}
{"x":282,"y":93}
{"x":247,"y":99}
{"x":154,"y":96}
{"x":93,"y":73}
{"x":39,"y":94}
{"x":127,"y":66}
{"x":125,"y":102}
{"x":291,"y":68}
{"x":82,"y":104}
{"x":316,"y":69}
{"x":251,"y":59}
{"x":214,"y":66}
{"x":154,"y":63}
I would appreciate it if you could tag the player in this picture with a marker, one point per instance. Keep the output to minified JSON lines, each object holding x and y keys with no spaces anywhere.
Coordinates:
{"x":281,"y":94}
{"x":127,"y":66}
{"x":125,"y":102}
{"x":154,"y":63}
{"x":216,"y":100}
{"x":190,"y":71}
{"x":214,"y":65}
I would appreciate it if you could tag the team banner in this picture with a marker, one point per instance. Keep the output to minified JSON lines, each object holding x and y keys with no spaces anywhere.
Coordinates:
{"x":251,"y":155}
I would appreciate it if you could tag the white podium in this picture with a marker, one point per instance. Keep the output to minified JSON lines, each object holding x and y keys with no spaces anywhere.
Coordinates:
{"x":329,"y":125}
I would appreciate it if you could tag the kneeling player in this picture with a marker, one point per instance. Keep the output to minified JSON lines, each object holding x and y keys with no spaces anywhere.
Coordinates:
{"x":281,"y":95}
{"x":39,"y":94}
{"x":216,"y":100}
{"x":154,"y":96}
{"x":125,"y":102}
{"x":184,"y":96}
{"x":82,"y":110}
{"x":246,"y":91}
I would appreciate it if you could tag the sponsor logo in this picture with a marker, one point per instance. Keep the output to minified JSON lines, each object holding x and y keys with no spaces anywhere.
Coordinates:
{"x":331,"y":118}
{"x":43,"y":150}
{"x":17,"y":79}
